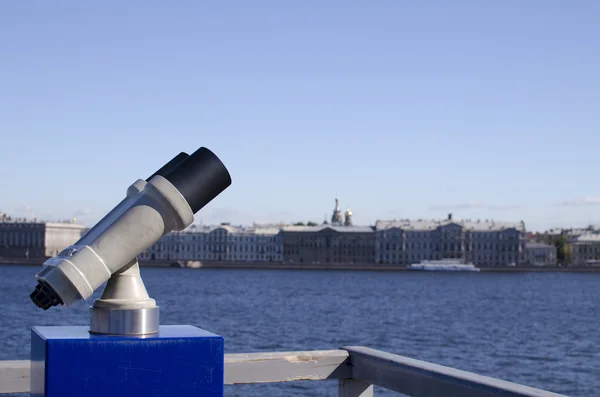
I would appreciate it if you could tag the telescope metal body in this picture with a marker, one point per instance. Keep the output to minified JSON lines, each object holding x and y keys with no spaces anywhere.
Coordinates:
{"x":152,"y":208}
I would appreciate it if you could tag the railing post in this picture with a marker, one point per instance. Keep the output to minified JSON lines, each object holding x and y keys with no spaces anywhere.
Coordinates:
{"x":354,"y":388}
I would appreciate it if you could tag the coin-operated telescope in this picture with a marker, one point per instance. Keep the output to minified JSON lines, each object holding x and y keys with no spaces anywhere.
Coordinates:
{"x":124,"y":351}
{"x":164,"y":202}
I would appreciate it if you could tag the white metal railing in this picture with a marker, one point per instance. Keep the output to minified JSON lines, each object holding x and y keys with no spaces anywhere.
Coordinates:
{"x":356,"y":368}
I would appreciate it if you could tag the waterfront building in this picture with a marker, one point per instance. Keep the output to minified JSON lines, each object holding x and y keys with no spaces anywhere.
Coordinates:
{"x":554,"y":236}
{"x":539,"y":254}
{"x":396,"y":243}
{"x":28,"y":239}
{"x":337,"y":243}
{"x":481,"y":242}
{"x":584,"y":250}
{"x":328,"y":244}
{"x":219,"y":243}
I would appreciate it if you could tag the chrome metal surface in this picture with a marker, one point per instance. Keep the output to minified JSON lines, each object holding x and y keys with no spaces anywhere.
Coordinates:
{"x":124,"y":321}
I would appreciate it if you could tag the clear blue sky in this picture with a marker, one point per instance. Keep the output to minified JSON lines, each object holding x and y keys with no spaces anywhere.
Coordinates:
{"x":403,"y":109}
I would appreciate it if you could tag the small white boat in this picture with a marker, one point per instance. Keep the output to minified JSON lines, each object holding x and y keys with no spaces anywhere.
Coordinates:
{"x":444,"y":265}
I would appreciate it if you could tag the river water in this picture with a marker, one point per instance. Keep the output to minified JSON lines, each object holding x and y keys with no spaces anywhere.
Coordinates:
{"x":536,"y":329}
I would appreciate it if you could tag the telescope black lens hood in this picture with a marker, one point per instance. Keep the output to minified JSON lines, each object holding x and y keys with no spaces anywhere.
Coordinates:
{"x":170,"y":166}
{"x":200,"y":178}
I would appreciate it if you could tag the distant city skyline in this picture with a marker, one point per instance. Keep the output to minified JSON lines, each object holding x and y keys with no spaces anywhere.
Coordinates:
{"x":218,"y":216}
{"x":404,"y":110}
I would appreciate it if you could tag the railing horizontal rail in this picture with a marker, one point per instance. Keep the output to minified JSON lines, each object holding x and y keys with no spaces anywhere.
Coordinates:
{"x":286,"y":367}
{"x":356,"y":367}
{"x":422,"y":379}
{"x":239,"y":368}
{"x":14,"y":376}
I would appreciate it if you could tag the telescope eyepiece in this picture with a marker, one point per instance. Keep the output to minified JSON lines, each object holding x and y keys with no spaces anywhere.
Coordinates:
{"x":45,"y":297}
{"x":164,"y":202}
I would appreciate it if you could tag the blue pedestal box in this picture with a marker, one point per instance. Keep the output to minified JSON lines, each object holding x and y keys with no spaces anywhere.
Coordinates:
{"x":180,"y":360}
